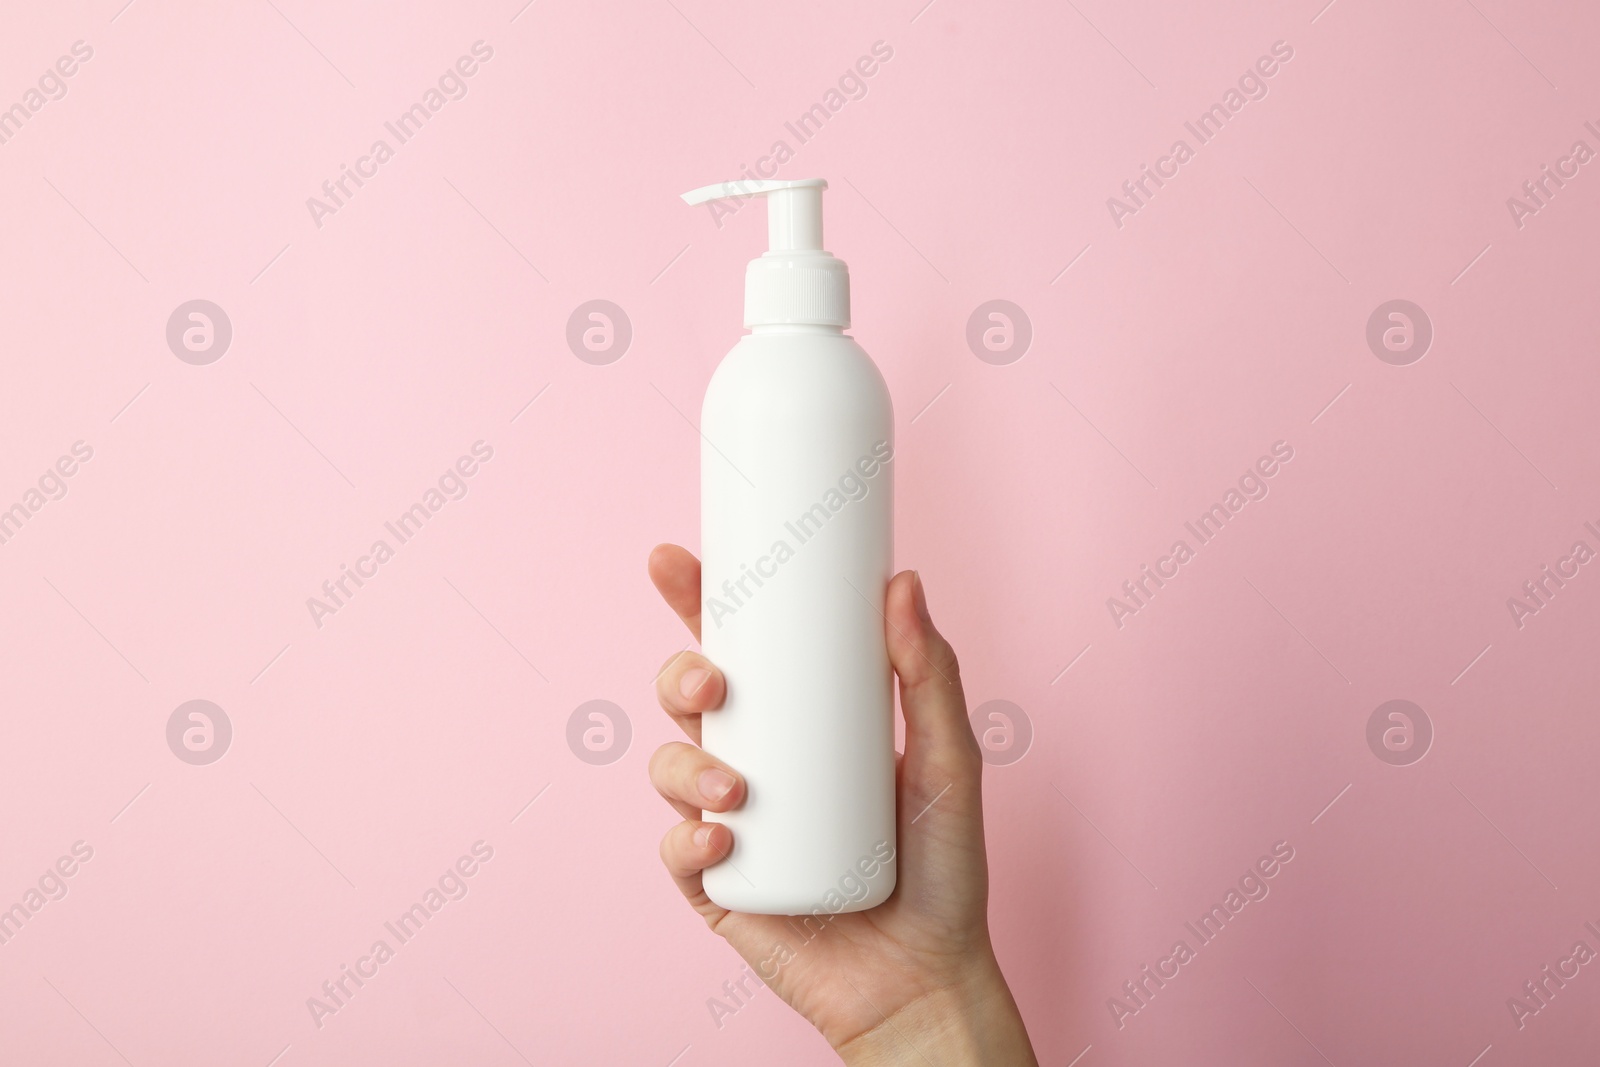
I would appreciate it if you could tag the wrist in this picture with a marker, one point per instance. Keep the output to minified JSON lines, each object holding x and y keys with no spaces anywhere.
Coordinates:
{"x":973,"y":1021}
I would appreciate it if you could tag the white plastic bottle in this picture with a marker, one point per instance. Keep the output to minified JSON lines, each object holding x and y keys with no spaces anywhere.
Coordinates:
{"x":797,"y":532}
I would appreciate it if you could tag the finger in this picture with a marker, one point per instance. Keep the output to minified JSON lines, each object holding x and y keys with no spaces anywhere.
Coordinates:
{"x":687,"y":850}
{"x":676,"y":574}
{"x":930,"y":675}
{"x":688,"y":685}
{"x":940,"y":747}
{"x":693,"y":780}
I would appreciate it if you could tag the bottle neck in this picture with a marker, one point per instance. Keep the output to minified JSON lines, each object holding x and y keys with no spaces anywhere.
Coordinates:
{"x":796,"y":327}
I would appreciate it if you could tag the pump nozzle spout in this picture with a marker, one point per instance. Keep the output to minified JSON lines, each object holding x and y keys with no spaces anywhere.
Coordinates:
{"x":794,"y":209}
{"x":796,"y":281}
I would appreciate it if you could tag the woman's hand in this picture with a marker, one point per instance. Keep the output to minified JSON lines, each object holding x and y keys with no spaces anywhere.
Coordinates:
{"x":913,"y":980}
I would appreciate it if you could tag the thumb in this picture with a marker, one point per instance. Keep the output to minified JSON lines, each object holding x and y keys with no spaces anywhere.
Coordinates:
{"x":939,"y":741}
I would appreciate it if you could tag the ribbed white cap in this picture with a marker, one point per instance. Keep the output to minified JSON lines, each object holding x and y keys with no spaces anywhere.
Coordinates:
{"x":796,"y":281}
{"x":790,"y":287}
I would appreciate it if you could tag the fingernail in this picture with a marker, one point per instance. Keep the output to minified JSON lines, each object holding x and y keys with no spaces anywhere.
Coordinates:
{"x":702,"y":836}
{"x":919,"y":599}
{"x":715,"y":784}
{"x":692,"y":682}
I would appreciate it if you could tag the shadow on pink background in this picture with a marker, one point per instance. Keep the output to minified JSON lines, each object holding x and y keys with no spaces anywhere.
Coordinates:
{"x":1173,"y":343}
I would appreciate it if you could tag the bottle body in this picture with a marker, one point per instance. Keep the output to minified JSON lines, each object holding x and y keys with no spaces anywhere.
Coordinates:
{"x":797,"y":488}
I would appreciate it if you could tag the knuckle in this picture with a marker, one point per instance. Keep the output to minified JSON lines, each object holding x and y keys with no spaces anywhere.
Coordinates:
{"x":667,"y":844}
{"x":666,"y":668}
{"x":673,"y":669}
{"x":943,"y":657}
{"x":661,"y":761}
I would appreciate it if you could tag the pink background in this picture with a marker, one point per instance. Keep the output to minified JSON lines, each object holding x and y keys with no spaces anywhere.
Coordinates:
{"x":372,"y":351}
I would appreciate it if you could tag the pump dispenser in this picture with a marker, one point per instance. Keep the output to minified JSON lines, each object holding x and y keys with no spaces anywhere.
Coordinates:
{"x":796,"y":281}
{"x":797,"y":531}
